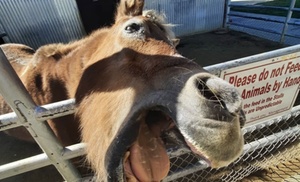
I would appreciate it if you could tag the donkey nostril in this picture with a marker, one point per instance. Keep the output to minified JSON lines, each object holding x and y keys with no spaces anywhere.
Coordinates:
{"x":207,"y":92}
{"x":132,"y":28}
{"x":204,"y":90}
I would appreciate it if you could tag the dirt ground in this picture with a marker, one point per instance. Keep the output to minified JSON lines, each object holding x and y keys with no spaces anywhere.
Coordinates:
{"x":216,"y":47}
{"x":206,"y":49}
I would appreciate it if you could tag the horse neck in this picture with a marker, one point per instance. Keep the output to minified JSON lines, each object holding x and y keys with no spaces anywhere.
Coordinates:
{"x":60,"y":62}
{"x":76,"y":56}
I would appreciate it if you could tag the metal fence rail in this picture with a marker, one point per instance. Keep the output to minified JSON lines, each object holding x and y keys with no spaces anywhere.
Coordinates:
{"x":262,"y":139}
{"x":275,"y":28}
{"x":24,"y":107}
{"x":39,"y":161}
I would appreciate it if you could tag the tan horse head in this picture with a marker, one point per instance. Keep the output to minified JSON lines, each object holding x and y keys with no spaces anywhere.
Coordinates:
{"x":131,"y":86}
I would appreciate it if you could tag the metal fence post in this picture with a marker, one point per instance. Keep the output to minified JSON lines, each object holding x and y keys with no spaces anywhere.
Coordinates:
{"x":226,"y":14}
{"x":288,"y":18}
{"x":16,"y":95}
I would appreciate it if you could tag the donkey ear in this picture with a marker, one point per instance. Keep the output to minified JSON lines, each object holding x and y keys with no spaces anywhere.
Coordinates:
{"x":130,"y":8}
{"x":176,"y":42}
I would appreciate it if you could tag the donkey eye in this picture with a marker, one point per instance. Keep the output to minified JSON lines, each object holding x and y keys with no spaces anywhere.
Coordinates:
{"x":162,"y":28}
{"x":132,"y":28}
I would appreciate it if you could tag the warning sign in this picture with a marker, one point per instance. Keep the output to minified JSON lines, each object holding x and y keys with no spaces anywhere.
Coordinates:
{"x":268,"y":88}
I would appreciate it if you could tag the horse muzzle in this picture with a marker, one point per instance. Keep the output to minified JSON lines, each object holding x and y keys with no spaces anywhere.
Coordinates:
{"x":205,"y":111}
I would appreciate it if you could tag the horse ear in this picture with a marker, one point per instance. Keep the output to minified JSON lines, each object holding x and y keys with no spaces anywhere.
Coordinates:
{"x":175,"y":41}
{"x":130,"y":8}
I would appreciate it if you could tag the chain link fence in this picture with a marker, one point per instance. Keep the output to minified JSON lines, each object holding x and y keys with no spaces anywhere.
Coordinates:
{"x":271,"y":153}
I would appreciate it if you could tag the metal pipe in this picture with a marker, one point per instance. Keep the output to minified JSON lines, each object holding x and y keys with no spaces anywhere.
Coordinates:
{"x":55,"y":110}
{"x":16,"y":95}
{"x":259,"y":7}
{"x":246,"y":15}
{"x":288,"y":18}
{"x":296,"y":9}
{"x":24,"y":165}
{"x":38,"y":161}
{"x":49,"y":111}
{"x":217,"y":68}
{"x":268,"y":19}
{"x":260,"y":28}
{"x":8,"y":121}
{"x":186,"y":171}
{"x":255,"y":28}
{"x":226,"y":14}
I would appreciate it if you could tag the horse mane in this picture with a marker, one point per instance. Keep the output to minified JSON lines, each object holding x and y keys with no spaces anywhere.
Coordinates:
{"x":160,"y":19}
{"x":57,"y":51}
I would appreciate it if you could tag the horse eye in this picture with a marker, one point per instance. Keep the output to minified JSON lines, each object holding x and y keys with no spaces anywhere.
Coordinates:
{"x":162,"y":28}
{"x":132,"y":28}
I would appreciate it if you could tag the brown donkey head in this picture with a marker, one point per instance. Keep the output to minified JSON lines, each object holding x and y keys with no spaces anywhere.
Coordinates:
{"x":135,"y":87}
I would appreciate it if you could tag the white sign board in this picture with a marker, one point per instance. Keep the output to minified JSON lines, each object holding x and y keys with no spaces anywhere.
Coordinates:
{"x":268,"y":88}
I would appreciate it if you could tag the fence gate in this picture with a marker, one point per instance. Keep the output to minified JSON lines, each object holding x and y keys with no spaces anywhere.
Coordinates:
{"x":271,"y":148}
{"x":283,"y":29}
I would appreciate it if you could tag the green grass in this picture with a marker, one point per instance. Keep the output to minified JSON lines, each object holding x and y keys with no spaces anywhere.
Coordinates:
{"x":280,"y":3}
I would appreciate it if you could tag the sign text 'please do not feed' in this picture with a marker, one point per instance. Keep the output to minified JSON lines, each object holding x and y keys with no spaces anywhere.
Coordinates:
{"x":268,"y":88}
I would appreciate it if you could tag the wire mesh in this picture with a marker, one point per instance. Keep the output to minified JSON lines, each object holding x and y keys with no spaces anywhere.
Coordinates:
{"x":271,"y":153}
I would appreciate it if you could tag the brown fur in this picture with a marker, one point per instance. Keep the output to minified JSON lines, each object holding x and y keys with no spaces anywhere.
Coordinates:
{"x":110,"y":73}
{"x":52,"y":74}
